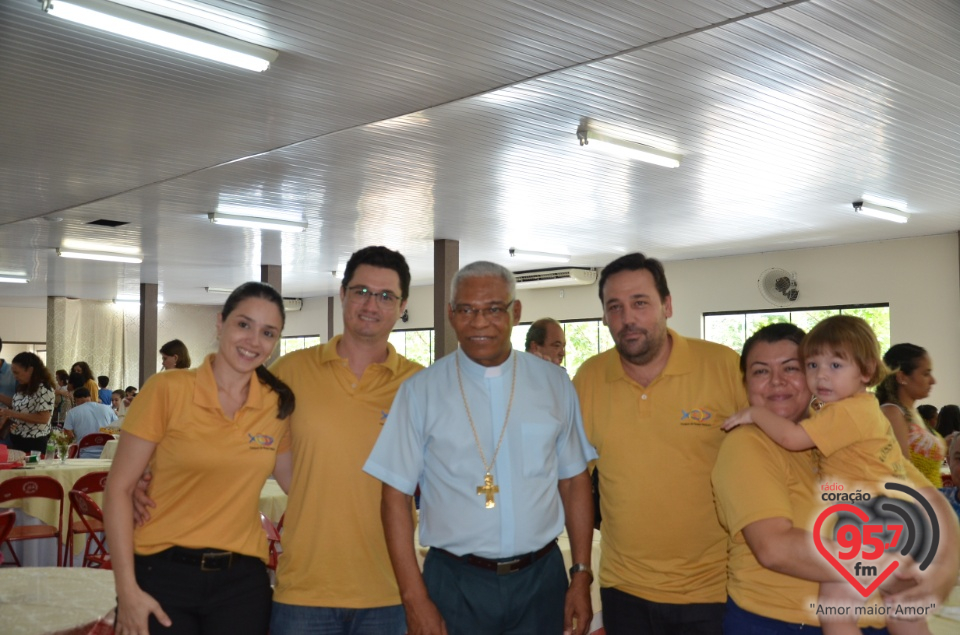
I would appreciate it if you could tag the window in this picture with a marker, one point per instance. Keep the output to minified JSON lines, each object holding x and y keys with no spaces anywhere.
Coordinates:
{"x":732,"y":329}
{"x":290,"y":344}
{"x":415,"y":345}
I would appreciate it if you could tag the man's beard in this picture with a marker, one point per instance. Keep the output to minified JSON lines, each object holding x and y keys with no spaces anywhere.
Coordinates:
{"x":645,"y":350}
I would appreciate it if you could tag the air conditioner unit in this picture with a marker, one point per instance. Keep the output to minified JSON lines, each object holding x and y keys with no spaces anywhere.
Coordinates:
{"x":292,"y":304}
{"x":555,"y":277}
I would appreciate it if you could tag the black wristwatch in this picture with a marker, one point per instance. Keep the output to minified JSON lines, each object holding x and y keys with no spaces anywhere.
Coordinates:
{"x":581,"y":568}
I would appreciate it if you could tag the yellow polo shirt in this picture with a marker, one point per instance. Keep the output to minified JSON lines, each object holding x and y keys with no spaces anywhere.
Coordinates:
{"x":208,"y":470}
{"x":660,"y":538}
{"x":334,"y":551}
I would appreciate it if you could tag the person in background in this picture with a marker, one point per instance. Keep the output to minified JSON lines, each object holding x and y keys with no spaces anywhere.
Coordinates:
{"x":63,"y":399}
{"x":31,"y":407}
{"x":174,"y":354}
{"x":211,"y":437}
{"x":116,"y":402}
{"x":953,"y":492}
{"x":128,"y":395}
{"x":104,"y":394}
{"x":948,"y":423}
{"x":8,"y":386}
{"x":911,"y":380}
{"x":545,"y":339}
{"x":82,"y":370}
{"x":87,"y":417}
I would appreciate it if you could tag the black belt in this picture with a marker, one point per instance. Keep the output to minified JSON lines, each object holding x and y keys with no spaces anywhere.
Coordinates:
{"x":504,"y":565}
{"x":206,"y":559}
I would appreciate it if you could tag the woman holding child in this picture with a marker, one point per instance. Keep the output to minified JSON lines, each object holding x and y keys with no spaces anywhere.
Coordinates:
{"x":767,"y":500}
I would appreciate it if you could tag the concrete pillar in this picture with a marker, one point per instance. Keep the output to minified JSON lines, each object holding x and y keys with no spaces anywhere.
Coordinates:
{"x":446,"y":262}
{"x":149,"y":295}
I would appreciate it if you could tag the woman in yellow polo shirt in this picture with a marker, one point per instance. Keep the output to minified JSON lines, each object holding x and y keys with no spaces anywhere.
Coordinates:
{"x":210,"y":437}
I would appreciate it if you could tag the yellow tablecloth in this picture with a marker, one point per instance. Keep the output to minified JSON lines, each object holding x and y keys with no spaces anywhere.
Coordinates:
{"x":64,"y":473}
{"x":109,"y":449}
{"x":273,"y":502}
{"x":948,"y":622}
{"x":42,"y":600}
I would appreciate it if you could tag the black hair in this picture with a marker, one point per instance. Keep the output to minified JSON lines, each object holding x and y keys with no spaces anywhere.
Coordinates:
{"x":378,"y":256}
{"x":103,"y":381}
{"x":85,"y":371}
{"x":178,"y":349}
{"x":286,"y":399}
{"x":904,"y":358}
{"x":537,"y":333}
{"x":637,"y":262}
{"x":39,"y":377}
{"x":81,"y":393}
{"x":770,"y":334}
{"x":76,"y":380}
{"x":949,"y":420}
{"x":928,"y":412}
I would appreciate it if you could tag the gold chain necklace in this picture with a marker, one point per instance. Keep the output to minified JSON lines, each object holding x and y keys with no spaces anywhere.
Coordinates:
{"x":488,"y":489}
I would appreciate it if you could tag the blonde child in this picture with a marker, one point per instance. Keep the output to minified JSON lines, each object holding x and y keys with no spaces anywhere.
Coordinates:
{"x":842,"y":359}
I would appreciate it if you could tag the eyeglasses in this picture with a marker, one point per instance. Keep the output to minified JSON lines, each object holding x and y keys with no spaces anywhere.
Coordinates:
{"x":467,"y":312}
{"x":360,"y":293}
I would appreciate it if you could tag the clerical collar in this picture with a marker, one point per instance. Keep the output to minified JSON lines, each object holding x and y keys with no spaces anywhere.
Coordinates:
{"x":487,"y":372}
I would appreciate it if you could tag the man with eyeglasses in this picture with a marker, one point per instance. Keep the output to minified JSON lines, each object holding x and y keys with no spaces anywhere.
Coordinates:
{"x":494,"y":438}
{"x":545,"y":339}
{"x":334,"y":575}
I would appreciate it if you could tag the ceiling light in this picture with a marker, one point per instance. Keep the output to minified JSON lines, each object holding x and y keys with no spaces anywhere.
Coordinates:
{"x":161,"y":31}
{"x":626,"y":149}
{"x":881,"y":212}
{"x":222,"y":290}
{"x":257,"y":222}
{"x":539,"y":255}
{"x":99,"y":255}
{"x":13,"y":280}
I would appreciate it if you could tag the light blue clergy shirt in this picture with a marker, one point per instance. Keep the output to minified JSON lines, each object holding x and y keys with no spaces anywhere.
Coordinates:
{"x":427,"y":440}
{"x":8,"y":383}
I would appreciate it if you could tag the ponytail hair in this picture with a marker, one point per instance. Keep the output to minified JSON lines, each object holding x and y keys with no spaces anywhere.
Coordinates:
{"x":286,"y":399}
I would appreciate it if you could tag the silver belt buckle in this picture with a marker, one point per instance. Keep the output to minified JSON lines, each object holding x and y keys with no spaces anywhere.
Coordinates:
{"x":504,"y":568}
{"x":219,"y":557}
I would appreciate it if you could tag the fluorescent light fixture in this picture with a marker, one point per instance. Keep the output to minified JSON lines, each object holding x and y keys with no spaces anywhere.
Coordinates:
{"x":161,"y":31}
{"x":222,"y":290}
{"x":627,"y":149}
{"x":881,"y":212}
{"x":126,"y":301}
{"x":539,"y":255}
{"x":257,"y":222}
{"x":13,"y":280}
{"x":99,"y":255}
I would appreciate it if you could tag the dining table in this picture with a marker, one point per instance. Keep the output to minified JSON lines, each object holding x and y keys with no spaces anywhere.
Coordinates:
{"x":56,"y":600}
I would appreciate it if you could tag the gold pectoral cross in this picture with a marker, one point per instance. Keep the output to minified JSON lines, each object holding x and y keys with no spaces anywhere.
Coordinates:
{"x":488,"y":489}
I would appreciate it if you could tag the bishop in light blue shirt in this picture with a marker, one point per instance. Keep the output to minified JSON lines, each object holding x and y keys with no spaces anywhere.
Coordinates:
{"x":427,"y":439}
{"x":495,"y":440}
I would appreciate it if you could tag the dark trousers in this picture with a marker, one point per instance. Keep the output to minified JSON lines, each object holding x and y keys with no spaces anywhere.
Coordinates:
{"x":740,"y":622}
{"x":625,"y":614}
{"x":475,"y":601}
{"x":236,"y":600}
{"x":28,"y":444}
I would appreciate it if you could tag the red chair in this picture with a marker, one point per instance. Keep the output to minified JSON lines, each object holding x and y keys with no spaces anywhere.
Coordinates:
{"x":7,"y":520}
{"x":88,"y":484}
{"x":95,"y":554}
{"x":72,"y":451}
{"x":95,"y":439}
{"x":273,"y":541}
{"x":20,"y":487}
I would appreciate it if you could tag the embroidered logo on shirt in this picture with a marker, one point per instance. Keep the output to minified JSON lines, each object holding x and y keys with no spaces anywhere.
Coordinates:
{"x":260,"y":441}
{"x":695,"y":417}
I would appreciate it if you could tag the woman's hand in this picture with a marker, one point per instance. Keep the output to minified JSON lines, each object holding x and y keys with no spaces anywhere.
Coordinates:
{"x":133,"y":613}
{"x":741,"y":418}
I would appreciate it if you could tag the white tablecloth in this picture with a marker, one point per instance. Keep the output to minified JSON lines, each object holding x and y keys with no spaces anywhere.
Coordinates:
{"x":44,"y":600}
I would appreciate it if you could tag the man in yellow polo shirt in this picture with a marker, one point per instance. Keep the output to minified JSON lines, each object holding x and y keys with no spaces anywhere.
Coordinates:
{"x":652,"y":408}
{"x":334,"y":575}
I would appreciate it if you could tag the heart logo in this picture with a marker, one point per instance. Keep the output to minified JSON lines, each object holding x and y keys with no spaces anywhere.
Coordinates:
{"x":862,"y":515}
